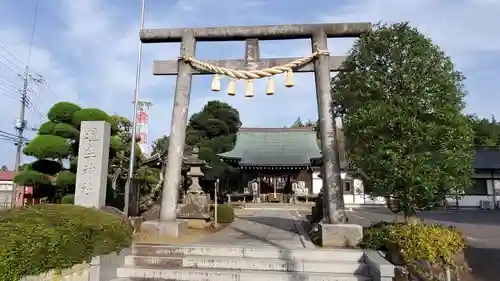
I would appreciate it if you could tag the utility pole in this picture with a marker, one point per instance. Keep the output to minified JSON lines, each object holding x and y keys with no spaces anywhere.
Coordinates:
{"x":20,"y":126}
{"x":130,"y":177}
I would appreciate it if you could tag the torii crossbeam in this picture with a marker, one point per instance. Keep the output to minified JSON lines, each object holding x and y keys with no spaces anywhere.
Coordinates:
{"x":322,"y":66}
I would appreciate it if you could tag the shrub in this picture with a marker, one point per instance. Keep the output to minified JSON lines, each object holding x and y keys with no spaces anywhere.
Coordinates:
{"x":68,"y":199}
{"x":47,"y":146}
{"x":433,"y":243}
{"x":416,"y":241}
{"x":225,"y":213}
{"x":377,"y":236}
{"x":41,"y":238}
{"x":62,"y":112}
{"x":30,"y":177}
{"x":89,"y":114}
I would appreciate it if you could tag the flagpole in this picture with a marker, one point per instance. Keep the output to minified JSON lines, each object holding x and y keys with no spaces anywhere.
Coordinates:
{"x":134,"y":120}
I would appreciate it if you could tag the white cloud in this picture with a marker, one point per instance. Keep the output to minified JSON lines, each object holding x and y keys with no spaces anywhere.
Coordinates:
{"x":94,"y":60}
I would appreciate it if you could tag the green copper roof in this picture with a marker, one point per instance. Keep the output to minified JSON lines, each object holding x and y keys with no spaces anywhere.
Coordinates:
{"x":274,"y":147}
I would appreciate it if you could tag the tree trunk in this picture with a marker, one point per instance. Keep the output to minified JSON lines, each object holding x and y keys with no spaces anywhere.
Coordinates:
{"x":157,"y":189}
{"x":115,"y":177}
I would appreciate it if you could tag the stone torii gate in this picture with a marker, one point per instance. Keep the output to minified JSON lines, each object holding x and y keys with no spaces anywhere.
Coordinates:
{"x":322,"y":65}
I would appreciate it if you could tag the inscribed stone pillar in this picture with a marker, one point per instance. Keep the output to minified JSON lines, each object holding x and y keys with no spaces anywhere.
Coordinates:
{"x":93,"y":157}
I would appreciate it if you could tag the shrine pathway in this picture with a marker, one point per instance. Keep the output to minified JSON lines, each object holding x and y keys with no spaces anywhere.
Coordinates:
{"x":257,"y":228}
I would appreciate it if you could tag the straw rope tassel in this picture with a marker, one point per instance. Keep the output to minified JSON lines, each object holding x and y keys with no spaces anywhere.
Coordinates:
{"x":249,"y":89}
{"x":270,"y":86}
{"x":231,"y":87}
{"x":250,"y":75}
{"x":289,"y":79}
{"x":216,"y":83}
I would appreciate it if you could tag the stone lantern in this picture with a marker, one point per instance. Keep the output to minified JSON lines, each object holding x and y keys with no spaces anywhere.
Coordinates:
{"x":196,"y":206}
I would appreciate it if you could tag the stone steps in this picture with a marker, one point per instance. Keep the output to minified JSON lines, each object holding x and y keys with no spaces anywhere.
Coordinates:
{"x":265,"y":252}
{"x":203,"y":274}
{"x":267,"y":264}
{"x":226,"y":262}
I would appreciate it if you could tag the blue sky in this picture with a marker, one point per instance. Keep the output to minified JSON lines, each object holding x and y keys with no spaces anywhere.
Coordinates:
{"x":87,"y":52}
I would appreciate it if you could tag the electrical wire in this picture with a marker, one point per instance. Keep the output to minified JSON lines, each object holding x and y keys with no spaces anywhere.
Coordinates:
{"x":35,"y":19}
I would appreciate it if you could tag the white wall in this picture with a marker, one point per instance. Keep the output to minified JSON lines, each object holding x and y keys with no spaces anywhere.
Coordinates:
{"x":492,"y":183}
{"x":359,"y":198}
{"x":317,"y":182}
{"x":5,"y":193}
{"x":350,"y":199}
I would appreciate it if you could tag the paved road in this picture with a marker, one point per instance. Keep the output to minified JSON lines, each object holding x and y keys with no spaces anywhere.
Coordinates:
{"x":259,"y":227}
{"x":482,"y":229}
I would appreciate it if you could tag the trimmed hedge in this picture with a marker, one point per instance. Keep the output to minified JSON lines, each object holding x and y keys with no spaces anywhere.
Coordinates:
{"x":68,"y":199}
{"x":40,"y":238}
{"x":416,"y":241}
{"x":225,"y":213}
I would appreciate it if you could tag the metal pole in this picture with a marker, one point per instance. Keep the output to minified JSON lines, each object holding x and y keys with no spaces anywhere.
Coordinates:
{"x":20,"y":126}
{"x":134,"y":121}
{"x":216,"y":190}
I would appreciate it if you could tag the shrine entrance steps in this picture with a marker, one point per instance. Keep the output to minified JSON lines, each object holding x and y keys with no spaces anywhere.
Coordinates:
{"x":258,"y":246}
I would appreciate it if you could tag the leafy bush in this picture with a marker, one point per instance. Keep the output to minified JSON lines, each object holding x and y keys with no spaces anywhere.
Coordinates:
{"x":377,"y":236}
{"x":30,"y":177}
{"x":40,"y":238}
{"x":47,"y":146}
{"x":68,"y":199}
{"x":66,"y":178}
{"x":48,"y":167}
{"x":64,"y":130}
{"x":225,"y":213}
{"x":89,"y":114}
{"x":62,"y":112}
{"x":417,"y":241}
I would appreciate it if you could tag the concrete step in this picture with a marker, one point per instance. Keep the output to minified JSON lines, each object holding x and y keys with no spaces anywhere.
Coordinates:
{"x":257,"y":252}
{"x":266,"y":264}
{"x":203,"y":274}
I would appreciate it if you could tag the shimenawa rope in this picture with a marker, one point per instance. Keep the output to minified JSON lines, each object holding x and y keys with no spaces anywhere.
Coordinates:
{"x":250,"y":75}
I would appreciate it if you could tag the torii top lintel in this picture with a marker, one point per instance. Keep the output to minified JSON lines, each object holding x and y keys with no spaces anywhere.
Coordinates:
{"x":265,"y":32}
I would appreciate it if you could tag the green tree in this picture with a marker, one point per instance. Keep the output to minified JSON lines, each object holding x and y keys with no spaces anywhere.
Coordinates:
{"x":119,"y":161}
{"x":160,"y":150}
{"x":55,"y":145}
{"x":122,"y":126}
{"x":298,"y":123}
{"x":160,"y":147}
{"x":486,"y":131}
{"x":213,"y":130}
{"x":402,"y":105}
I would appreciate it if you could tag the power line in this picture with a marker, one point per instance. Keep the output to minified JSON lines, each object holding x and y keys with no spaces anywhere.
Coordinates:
{"x":9,"y":68}
{"x":11,"y":62}
{"x":35,"y":18}
{"x":34,"y":109}
{"x":7,"y":51}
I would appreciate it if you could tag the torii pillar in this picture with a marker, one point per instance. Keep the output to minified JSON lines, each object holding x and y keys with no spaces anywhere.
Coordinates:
{"x":318,"y":33}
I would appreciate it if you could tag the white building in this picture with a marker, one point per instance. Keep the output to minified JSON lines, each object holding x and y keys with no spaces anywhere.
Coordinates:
{"x":485,"y":189}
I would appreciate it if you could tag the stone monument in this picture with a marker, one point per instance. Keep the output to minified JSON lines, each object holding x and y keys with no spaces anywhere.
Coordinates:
{"x":93,"y":157}
{"x":196,"y":204}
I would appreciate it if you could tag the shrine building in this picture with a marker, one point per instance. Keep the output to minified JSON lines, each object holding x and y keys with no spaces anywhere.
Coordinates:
{"x":277,"y":157}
